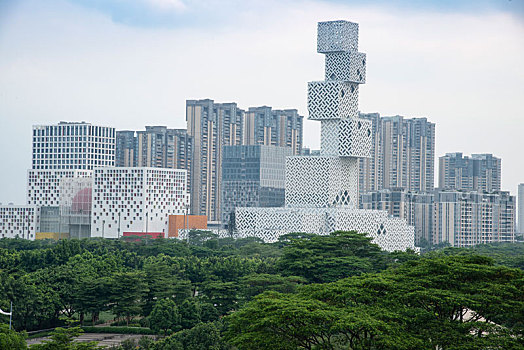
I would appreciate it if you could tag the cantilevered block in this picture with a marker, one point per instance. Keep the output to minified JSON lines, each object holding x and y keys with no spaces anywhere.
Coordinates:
{"x":337,"y":36}
{"x":349,"y":137}
{"x":332,"y":100}
{"x":319,"y":181}
{"x":348,"y":66}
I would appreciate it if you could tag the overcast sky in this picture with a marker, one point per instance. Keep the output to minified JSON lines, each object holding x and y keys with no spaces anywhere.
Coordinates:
{"x":133,"y":63}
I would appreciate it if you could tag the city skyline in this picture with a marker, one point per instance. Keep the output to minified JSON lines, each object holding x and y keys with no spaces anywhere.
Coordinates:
{"x":68,"y":53}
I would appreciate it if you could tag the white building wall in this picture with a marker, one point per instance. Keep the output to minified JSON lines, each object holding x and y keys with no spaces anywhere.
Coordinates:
{"x":270,"y":223}
{"x":19,"y":221}
{"x":43,"y":186}
{"x":520,"y":219}
{"x":72,"y":145}
{"x":136,"y":200}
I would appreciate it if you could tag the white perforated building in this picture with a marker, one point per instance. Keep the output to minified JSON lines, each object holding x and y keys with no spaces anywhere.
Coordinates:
{"x":19,"y":221}
{"x":43,"y":186}
{"x":322,"y":191}
{"x":136,"y":200}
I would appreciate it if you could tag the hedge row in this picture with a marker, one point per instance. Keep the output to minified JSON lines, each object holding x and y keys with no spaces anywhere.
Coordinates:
{"x":119,"y":330}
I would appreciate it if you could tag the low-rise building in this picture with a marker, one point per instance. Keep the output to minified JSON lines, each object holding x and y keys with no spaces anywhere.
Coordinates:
{"x":136,"y":200}
{"x":185,"y":222}
{"x":19,"y":221}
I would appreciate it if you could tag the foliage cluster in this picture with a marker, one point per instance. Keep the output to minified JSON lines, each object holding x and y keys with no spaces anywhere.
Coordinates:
{"x":303,"y":292}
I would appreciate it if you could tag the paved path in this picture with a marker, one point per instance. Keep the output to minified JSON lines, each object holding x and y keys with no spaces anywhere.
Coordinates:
{"x":103,"y":339}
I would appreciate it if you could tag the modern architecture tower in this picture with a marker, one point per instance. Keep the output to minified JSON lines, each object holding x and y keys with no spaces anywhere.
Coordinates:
{"x":252,"y":176}
{"x":322,"y":192}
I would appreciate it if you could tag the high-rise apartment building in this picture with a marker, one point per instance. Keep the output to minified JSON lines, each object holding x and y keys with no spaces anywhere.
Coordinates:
{"x":480,"y":172}
{"x":64,"y":152}
{"x":215,"y":125}
{"x":156,"y":147}
{"x":415,"y":208}
{"x":403,"y":154}
{"x":136,"y":200}
{"x":212,"y":126}
{"x":160,"y":147}
{"x":520,"y":220}
{"x":464,"y":219}
{"x":125,"y":151}
{"x":253,"y":176}
{"x":265,"y":126}
{"x":68,"y":146}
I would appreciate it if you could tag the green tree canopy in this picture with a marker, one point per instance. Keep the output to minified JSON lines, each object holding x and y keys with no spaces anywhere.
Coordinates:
{"x":445,"y":303}
{"x":322,"y":259}
{"x":10,"y":339}
{"x":165,"y":317}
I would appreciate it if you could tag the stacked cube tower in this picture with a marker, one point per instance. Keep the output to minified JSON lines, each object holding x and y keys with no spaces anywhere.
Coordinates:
{"x":322,"y":191}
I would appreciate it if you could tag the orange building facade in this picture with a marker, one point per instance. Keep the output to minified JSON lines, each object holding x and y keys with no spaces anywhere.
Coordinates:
{"x":178,"y":222}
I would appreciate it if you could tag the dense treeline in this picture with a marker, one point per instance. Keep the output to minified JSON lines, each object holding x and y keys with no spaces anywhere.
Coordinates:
{"x":302,"y":292}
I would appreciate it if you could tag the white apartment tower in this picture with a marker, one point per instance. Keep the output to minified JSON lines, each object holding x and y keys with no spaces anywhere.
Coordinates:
{"x":136,"y":200}
{"x":402,"y":154}
{"x":465,"y":219}
{"x":72,"y":145}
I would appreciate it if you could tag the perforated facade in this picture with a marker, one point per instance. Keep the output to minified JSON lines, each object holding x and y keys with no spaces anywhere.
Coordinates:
{"x":136,"y":200}
{"x":19,"y":221}
{"x":43,"y":186}
{"x":322,"y":191}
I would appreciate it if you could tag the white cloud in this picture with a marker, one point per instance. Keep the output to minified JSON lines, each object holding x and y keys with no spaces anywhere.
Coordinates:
{"x":177,"y":5}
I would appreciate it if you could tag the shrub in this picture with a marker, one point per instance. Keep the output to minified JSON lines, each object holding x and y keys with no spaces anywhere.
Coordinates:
{"x":119,"y":330}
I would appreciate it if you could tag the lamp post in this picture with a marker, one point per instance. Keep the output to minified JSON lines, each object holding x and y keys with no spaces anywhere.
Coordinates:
{"x":28,"y":226}
{"x":81,"y":218}
{"x":119,"y":224}
{"x":11,"y":315}
{"x":59,"y":223}
{"x":147,"y":221}
{"x":103,"y":227}
{"x":187,"y":223}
